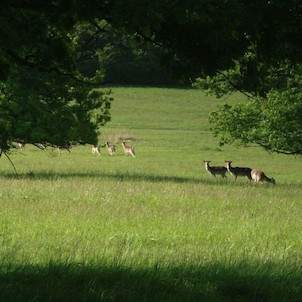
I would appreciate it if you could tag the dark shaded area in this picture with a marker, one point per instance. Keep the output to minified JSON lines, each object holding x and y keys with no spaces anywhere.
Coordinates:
{"x":204,"y":179}
{"x":123,"y":176}
{"x":215,"y":282}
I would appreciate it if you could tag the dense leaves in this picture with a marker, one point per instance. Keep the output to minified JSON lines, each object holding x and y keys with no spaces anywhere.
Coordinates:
{"x":202,"y":36}
{"x":127,"y":59}
{"x":271,"y":116}
{"x":46,"y":109}
{"x":251,"y":46}
{"x":274,"y":123}
{"x":45,"y":98}
{"x":122,"y":57}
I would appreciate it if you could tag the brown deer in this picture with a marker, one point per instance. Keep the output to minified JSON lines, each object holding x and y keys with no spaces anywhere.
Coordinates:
{"x":64,"y":147}
{"x":110,"y":148}
{"x":215,"y":170}
{"x":238,"y":171}
{"x":259,"y":176}
{"x":128,"y":150}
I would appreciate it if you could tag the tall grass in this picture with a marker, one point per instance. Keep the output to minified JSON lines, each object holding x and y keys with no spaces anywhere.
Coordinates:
{"x":79,"y":227}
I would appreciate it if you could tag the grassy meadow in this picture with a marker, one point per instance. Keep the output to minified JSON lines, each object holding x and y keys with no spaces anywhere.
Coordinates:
{"x":158,"y":227}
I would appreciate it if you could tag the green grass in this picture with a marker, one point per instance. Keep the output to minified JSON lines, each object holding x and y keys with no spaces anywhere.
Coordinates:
{"x":79,"y":227}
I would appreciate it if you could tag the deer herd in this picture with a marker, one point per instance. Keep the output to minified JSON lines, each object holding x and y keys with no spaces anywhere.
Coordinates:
{"x":112,"y":149}
{"x":94,"y":150}
{"x":251,"y":174}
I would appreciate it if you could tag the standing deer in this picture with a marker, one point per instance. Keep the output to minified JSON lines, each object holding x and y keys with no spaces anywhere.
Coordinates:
{"x":110,"y":148}
{"x":238,"y":171}
{"x":64,"y":147}
{"x":128,"y":150}
{"x":96,"y":150}
{"x":215,"y":170}
{"x":21,"y":145}
{"x":259,"y":176}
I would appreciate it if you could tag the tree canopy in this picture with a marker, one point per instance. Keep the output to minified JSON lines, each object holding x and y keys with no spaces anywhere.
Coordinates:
{"x":204,"y":36}
{"x":251,"y":46}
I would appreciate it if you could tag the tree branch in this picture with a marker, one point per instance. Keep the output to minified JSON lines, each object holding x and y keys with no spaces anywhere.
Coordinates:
{"x":57,"y":69}
{"x":235,"y":86}
{"x":279,"y":151}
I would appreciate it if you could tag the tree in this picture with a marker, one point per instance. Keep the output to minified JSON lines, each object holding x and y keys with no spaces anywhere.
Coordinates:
{"x":128,"y":59}
{"x":45,"y":109}
{"x":45,"y":98}
{"x":122,"y":57}
{"x":252,"y":40}
{"x":251,"y":46}
{"x":271,"y":115}
{"x":269,"y":74}
{"x":275,"y":124}
{"x":202,"y":36}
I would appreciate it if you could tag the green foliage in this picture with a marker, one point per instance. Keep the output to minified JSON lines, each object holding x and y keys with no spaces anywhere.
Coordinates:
{"x":122,"y":57}
{"x":258,"y":43}
{"x":274,"y":123}
{"x":128,"y":61}
{"x":50,"y":109}
{"x":45,"y":97}
{"x":196,"y":36}
{"x":250,"y":76}
{"x":271,"y":115}
{"x":220,"y":84}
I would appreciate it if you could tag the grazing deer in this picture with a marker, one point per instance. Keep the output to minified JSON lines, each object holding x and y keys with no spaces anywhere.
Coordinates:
{"x":238,"y":171}
{"x":21,"y":145}
{"x":110,"y":148}
{"x":96,"y":150}
{"x":64,"y":147}
{"x":128,"y":150}
{"x":40,"y":146}
{"x":215,"y":170}
{"x":259,"y":176}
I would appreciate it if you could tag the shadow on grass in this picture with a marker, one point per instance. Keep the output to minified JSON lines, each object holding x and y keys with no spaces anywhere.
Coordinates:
{"x":72,"y":282}
{"x":134,"y":176}
{"x":122,"y":176}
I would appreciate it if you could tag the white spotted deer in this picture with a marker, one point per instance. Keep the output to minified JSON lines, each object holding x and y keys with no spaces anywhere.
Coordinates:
{"x":110,"y":148}
{"x":215,"y":170}
{"x":259,"y":176}
{"x":128,"y":150}
{"x":238,"y":171}
{"x":96,"y":150}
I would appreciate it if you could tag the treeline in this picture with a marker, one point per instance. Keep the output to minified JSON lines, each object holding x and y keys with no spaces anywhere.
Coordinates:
{"x":127,"y":59}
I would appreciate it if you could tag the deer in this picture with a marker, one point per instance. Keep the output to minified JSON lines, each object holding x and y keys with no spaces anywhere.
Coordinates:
{"x":64,"y":147}
{"x":128,"y":150}
{"x":215,"y":170}
{"x":259,"y":176}
{"x":238,"y":171}
{"x":40,"y":146}
{"x":21,"y":145}
{"x":110,"y":148}
{"x":95,"y":150}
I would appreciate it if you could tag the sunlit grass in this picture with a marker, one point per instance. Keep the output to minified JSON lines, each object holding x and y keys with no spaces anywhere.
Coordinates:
{"x":80,"y":227}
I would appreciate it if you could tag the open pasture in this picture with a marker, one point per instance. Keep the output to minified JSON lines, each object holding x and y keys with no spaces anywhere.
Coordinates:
{"x":158,"y":227}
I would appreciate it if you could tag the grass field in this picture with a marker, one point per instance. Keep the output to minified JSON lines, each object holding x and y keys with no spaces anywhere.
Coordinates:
{"x":80,"y":227}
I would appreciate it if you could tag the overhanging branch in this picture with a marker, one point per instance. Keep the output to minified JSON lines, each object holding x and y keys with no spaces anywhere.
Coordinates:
{"x":57,"y":69}
{"x":235,"y":86}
